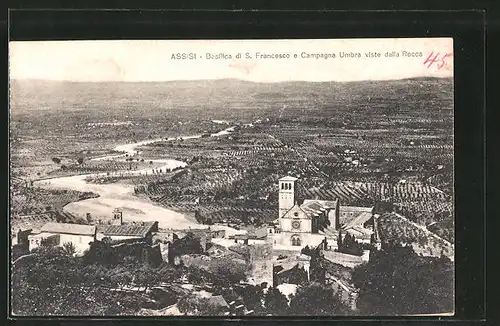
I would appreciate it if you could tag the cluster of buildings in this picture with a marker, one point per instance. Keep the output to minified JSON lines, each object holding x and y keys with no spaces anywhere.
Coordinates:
{"x":302,"y":226}
{"x":318,"y":225}
{"x":81,"y":235}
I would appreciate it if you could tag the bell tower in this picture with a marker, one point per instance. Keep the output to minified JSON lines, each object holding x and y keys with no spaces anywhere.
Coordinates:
{"x":117,"y":217}
{"x":287,"y":192}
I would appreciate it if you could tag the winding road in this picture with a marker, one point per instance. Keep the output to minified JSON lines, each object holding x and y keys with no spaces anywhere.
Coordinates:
{"x":116,"y":195}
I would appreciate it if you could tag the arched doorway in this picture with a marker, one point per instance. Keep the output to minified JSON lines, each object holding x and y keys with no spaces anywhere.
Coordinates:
{"x":296,"y":240}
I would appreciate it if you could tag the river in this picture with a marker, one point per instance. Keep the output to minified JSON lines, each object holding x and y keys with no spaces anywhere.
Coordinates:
{"x":117,"y":195}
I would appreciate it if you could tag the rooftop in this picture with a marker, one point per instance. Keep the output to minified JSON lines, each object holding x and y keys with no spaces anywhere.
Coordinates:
{"x":345,"y":260}
{"x":288,"y":178}
{"x":68,"y":228}
{"x":218,"y":300}
{"x":127,"y":230}
{"x":358,"y":221}
{"x":356,"y":209}
{"x":320,"y":203}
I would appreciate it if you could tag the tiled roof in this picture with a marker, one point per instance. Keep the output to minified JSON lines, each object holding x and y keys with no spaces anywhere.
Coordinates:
{"x":288,"y":178}
{"x":356,"y":209}
{"x":358,"y":220}
{"x":127,"y":230}
{"x":258,"y":233}
{"x":320,"y":203}
{"x":68,"y":228}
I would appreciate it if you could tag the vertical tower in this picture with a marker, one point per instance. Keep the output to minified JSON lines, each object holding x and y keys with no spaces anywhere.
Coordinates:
{"x":117,"y":216}
{"x":287,"y":191}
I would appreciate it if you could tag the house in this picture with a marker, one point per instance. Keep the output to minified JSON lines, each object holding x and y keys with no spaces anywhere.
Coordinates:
{"x":254,"y":237}
{"x":226,"y":243}
{"x":58,"y":234}
{"x":143,"y":231}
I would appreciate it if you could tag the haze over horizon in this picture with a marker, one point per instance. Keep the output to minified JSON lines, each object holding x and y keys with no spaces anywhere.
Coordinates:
{"x":223,"y":79}
{"x":150,"y":61}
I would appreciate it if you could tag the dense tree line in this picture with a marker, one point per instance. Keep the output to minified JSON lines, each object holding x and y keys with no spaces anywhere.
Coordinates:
{"x":397,"y":281}
{"x":349,"y":245}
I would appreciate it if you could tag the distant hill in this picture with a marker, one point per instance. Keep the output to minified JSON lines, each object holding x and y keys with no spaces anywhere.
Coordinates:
{"x":218,"y":97}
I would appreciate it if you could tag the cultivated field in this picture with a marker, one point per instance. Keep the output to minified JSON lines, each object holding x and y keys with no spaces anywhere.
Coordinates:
{"x":361,"y":142}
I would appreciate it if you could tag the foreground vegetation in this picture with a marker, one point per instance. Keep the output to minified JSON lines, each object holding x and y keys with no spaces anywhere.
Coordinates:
{"x":50,"y":281}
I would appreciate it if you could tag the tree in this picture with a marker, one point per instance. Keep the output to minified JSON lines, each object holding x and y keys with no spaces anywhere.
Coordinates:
{"x":53,"y":283}
{"x":229,"y":271}
{"x":253,"y":297}
{"x":397,"y":281}
{"x":317,"y":300}
{"x":198,"y":306}
{"x":69,"y":249}
{"x":306,"y":251}
{"x":100,"y":252}
{"x":275,"y":302}
{"x":56,"y":160}
{"x":349,"y":245}
{"x":80,"y":160}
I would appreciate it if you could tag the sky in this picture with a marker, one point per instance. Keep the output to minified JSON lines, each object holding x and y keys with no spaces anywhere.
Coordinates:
{"x":150,"y":60}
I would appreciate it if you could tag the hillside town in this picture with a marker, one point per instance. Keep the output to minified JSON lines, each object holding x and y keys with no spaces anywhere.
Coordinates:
{"x":218,"y":194}
{"x":280,"y":253}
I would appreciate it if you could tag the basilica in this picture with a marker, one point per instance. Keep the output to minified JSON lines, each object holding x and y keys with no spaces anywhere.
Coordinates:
{"x":314,"y":222}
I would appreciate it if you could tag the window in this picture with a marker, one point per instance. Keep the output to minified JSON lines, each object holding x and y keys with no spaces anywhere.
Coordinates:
{"x":270,"y":230}
{"x":296,"y":214}
{"x":296,"y":240}
{"x":282,"y":186}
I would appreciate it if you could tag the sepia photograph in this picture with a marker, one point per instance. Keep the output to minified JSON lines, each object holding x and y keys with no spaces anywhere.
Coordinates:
{"x":305,"y":177}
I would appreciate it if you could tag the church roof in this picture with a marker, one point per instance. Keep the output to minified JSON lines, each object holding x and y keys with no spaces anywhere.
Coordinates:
{"x":288,"y":178}
{"x":322,"y":203}
{"x":316,"y":207}
{"x":356,"y":209}
{"x":307,"y":213}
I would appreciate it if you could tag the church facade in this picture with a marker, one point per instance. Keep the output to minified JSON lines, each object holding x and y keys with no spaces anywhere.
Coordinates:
{"x":313,"y":223}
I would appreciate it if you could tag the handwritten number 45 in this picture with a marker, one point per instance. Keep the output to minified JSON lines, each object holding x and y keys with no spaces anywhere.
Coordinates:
{"x":434,"y":58}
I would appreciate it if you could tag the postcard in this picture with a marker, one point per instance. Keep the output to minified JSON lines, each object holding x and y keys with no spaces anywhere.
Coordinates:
{"x":309,"y":177}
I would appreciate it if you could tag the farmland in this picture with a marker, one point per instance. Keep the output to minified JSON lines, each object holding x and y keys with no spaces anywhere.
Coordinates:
{"x":396,"y":229}
{"x":361,"y":142}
